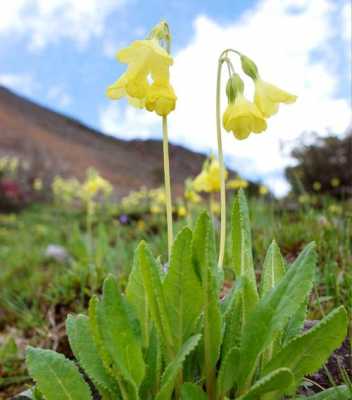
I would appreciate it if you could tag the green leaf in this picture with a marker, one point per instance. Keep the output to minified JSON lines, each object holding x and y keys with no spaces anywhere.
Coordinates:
{"x":273,"y":270}
{"x":172,"y":370}
{"x":57,"y":378}
{"x":273,"y":311}
{"x":86,"y":352}
{"x":227,"y":373}
{"x":190,"y":391}
{"x":204,"y":259}
{"x":155,"y":296}
{"x":182,"y":288}
{"x":277,"y":381}
{"x":336,"y":393}
{"x":242,"y":257}
{"x":295,"y":323}
{"x":118,"y":333}
{"x":136,"y":296}
{"x":306,"y":353}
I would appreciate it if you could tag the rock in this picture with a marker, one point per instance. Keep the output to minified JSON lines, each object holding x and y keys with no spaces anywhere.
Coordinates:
{"x":57,"y":253}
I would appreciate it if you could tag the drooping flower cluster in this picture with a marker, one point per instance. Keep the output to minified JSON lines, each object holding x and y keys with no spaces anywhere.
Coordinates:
{"x":146,"y":83}
{"x":242,"y":116}
{"x":209,"y":178}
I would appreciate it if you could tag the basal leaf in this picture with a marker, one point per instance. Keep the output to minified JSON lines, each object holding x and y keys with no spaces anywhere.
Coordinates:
{"x":57,"y":377}
{"x":273,"y":270}
{"x":86,"y":352}
{"x":136,"y":296}
{"x":277,"y":381}
{"x":336,"y":393}
{"x":242,"y":258}
{"x":172,"y":370}
{"x":156,"y":298}
{"x":227,"y":373}
{"x":273,"y":311}
{"x":182,"y":288}
{"x":190,"y":391}
{"x":119,"y":336}
{"x":306,"y":353}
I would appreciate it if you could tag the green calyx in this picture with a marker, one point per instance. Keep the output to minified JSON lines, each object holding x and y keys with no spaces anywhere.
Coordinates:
{"x":249,"y":67}
{"x":234,"y":86}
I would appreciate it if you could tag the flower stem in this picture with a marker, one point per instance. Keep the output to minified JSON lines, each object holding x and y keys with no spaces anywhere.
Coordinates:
{"x":222,"y":170}
{"x":167,"y":185}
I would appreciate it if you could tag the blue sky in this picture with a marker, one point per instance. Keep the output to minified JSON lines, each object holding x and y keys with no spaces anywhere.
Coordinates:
{"x":61,"y":54}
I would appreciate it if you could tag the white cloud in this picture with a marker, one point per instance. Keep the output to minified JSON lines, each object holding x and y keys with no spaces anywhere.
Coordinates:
{"x":22,"y":83}
{"x":346,"y":14}
{"x":48,"y":21}
{"x":58,"y":96}
{"x":284,"y":38}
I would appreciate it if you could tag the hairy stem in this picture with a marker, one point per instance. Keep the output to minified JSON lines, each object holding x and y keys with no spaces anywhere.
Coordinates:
{"x":167,"y":184}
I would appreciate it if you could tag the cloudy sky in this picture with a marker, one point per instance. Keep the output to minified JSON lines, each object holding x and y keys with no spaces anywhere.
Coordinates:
{"x":61,"y":54}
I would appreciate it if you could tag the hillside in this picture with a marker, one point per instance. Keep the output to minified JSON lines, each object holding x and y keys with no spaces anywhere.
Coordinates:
{"x":62,"y":145}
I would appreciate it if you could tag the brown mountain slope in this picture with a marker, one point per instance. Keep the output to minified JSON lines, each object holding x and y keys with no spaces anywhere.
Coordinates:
{"x":67,"y":147}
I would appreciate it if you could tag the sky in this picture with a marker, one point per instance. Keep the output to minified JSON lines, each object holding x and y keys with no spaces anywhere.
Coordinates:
{"x":61,"y":53}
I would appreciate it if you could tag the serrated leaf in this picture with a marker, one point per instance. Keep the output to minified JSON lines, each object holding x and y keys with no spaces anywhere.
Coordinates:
{"x":86,"y":352}
{"x":119,"y":336}
{"x":341,"y":392}
{"x":227,"y":373}
{"x":155,"y":296}
{"x":295,"y":323}
{"x":172,"y":370}
{"x":273,"y":269}
{"x":182,"y":288}
{"x":306,"y":353}
{"x":136,"y":296}
{"x":242,"y":258}
{"x":277,"y":381}
{"x":57,"y":377}
{"x":273,"y":311}
{"x":190,"y":391}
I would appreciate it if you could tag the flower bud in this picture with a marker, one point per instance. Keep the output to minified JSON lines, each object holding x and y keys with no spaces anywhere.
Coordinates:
{"x":249,"y":67}
{"x":234,"y":86}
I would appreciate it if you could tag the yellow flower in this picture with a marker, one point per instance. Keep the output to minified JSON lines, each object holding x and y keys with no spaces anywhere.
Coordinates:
{"x":215,"y":207}
{"x":237,"y":184}
{"x":243,"y":117}
{"x":317,"y":186}
{"x":161,"y":99}
{"x":209,"y":179}
{"x":263,"y":190}
{"x":267,"y":97}
{"x":181,"y":211}
{"x":38,"y":184}
{"x":335,"y":182}
{"x":145,"y":58}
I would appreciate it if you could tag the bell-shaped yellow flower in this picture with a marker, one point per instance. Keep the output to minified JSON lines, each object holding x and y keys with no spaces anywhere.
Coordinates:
{"x":209,"y":179}
{"x":243,"y":117}
{"x":267,"y":97}
{"x":161,"y":99}
{"x":145,"y":58}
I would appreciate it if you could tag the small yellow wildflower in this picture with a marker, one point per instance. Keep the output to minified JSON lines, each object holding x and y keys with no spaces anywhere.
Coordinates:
{"x":237,"y":183}
{"x":181,"y":211}
{"x":140,"y":225}
{"x":317,"y":186}
{"x":241,"y":116}
{"x":161,"y":99}
{"x":335,"y":209}
{"x":38,"y":184}
{"x":335,"y":182}
{"x":263,"y":190}
{"x":267,"y":97}
{"x":209,"y":179}
{"x":215,"y":207}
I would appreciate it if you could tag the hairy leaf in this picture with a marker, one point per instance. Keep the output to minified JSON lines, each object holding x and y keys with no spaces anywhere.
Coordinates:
{"x":305,"y":354}
{"x":155,"y":296}
{"x":277,"y":381}
{"x":227,"y":373}
{"x":172,"y":370}
{"x":273,"y":311}
{"x":118,"y":333}
{"x":190,"y":391}
{"x":57,"y":377}
{"x":273,"y":270}
{"x":86,"y":352}
{"x":336,"y":393}
{"x":182,"y":288}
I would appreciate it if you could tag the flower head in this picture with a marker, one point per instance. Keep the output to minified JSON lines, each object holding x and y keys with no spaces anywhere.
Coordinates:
{"x":146,"y":60}
{"x":237,"y":183}
{"x":263,"y":190}
{"x":209,"y":179}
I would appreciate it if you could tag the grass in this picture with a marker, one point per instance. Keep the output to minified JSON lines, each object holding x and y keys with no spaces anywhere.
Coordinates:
{"x":37,"y":292}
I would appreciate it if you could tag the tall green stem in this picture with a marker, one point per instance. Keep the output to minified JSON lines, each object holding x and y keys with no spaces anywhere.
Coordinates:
{"x":167,"y":184}
{"x":222,"y":170}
